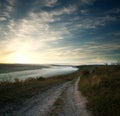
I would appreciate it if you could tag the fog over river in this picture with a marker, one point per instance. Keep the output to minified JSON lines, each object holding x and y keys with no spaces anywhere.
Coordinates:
{"x":44,"y":72}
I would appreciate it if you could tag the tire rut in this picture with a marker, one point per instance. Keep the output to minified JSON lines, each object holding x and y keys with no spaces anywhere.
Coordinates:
{"x":74,"y":104}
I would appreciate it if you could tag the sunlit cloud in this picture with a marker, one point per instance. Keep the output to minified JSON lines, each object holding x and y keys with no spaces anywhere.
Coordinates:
{"x":31,"y":35}
{"x":2,"y":19}
{"x":48,"y":31}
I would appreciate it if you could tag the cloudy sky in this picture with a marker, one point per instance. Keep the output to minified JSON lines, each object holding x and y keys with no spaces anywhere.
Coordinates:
{"x":59,"y":31}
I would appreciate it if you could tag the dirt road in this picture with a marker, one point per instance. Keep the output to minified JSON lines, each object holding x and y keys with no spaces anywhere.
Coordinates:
{"x":73,"y":103}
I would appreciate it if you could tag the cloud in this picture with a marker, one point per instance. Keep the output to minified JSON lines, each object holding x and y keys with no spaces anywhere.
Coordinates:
{"x":33,"y":33}
{"x":50,"y":3}
{"x":11,"y":2}
{"x":2,"y":19}
{"x":43,"y":3}
{"x":93,"y":22}
{"x":64,"y":10}
{"x":113,"y":11}
{"x":116,"y":34}
{"x":47,"y":29}
{"x":37,"y":25}
{"x":7,"y":9}
{"x":88,"y":2}
{"x":102,"y":46}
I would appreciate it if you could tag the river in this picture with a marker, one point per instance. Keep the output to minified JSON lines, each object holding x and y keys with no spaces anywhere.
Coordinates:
{"x":42,"y":72}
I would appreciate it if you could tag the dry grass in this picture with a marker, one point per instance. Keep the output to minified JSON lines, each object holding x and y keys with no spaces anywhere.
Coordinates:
{"x":102,"y":88}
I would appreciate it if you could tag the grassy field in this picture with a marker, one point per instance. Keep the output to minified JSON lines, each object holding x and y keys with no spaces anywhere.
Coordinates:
{"x":101,"y":86}
{"x":12,"y":94}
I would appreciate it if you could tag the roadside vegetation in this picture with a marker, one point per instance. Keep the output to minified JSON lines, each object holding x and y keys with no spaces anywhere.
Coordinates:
{"x":15,"y":93}
{"x":101,"y":86}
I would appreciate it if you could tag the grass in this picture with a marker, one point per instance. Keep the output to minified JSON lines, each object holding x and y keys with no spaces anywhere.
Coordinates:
{"x":101,"y":86}
{"x":15,"y":93}
{"x":57,"y":106}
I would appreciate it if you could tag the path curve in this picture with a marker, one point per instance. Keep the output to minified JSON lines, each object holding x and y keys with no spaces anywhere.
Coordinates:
{"x":74,"y":104}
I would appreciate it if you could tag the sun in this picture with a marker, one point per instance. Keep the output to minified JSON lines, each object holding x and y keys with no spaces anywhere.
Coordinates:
{"x":21,"y":60}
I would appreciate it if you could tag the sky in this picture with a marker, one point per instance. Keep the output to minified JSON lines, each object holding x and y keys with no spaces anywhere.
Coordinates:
{"x":60,"y":31}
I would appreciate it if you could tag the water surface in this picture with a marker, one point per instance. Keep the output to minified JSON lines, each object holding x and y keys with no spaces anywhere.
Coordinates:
{"x":44,"y":72}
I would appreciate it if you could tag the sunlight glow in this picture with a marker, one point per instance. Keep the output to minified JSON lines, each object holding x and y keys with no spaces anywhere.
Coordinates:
{"x":18,"y":58}
{"x":21,"y":60}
